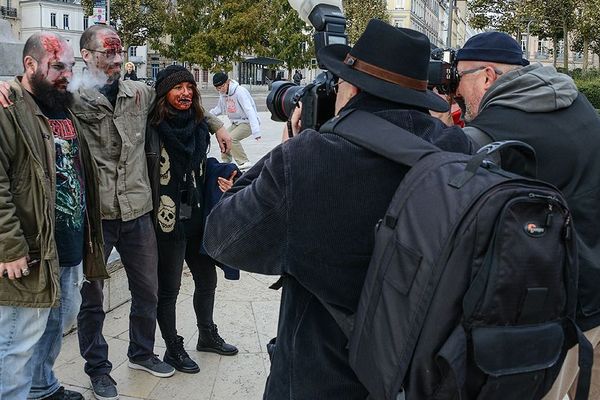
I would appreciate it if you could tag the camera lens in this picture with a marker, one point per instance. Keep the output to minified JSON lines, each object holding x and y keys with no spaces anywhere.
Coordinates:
{"x":282,"y":100}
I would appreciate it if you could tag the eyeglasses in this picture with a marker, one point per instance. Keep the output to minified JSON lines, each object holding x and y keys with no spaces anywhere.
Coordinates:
{"x":473,"y":70}
{"x":110,"y":53}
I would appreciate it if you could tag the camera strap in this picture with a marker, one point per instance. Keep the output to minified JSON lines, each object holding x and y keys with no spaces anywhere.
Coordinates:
{"x":380,"y":136}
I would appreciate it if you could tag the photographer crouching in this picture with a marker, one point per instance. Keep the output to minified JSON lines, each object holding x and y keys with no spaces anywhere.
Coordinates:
{"x":307,"y":210}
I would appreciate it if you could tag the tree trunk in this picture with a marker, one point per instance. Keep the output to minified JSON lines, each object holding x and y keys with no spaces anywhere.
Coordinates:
{"x":566,"y":46}
{"x":586,"y":49}
{"x":554,"y":51}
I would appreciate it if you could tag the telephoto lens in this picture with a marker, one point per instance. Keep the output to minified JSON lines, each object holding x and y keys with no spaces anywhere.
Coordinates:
{"x":282,"y":99}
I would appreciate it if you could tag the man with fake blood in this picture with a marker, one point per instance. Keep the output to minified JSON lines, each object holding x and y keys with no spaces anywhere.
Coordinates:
{"x":114,"y":118}
{"x":49,"y":221}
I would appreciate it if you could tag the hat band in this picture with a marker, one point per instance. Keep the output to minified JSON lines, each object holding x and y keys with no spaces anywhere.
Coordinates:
{"x":384,"y":74}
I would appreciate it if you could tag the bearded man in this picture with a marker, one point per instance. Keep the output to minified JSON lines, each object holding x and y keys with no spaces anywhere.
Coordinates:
{"x":44,"y":209}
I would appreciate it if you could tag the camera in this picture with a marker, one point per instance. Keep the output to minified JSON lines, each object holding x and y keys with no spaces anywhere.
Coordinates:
{"x":318,"y":97}
{"x":318,"y":100}
{"x":443,"y":74}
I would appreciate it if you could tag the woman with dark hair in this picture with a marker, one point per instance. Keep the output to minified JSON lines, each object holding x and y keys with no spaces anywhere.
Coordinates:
{"x":176,"y":147}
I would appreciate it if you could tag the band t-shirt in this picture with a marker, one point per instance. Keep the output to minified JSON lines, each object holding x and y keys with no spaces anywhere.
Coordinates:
{"x":70,"y":189}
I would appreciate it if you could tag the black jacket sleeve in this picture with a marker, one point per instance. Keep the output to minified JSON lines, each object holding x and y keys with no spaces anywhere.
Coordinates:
{"x":247,"y":228}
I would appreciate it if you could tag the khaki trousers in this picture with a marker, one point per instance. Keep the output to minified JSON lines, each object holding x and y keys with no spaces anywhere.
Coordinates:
{"x":238,"y":132}
{"x":566,"y":382}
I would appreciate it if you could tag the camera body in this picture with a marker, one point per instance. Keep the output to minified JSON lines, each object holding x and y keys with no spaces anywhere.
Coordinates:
{"x":443,"y":74}
{"x":318,"y":97}
{"x":318,"y":100}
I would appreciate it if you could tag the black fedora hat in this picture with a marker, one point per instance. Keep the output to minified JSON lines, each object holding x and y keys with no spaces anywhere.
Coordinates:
{"x":387,"y":62}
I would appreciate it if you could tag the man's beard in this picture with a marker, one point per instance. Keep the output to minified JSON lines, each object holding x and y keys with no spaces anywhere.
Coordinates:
{"x":51,"y":98}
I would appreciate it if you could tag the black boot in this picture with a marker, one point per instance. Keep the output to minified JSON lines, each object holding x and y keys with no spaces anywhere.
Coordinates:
{"x":210,"y":341}
{"x":178,"y":358}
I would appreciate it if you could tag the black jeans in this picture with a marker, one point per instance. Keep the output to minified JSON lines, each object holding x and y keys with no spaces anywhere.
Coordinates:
{"x":136,"y":243}
{"x":171,"y":255}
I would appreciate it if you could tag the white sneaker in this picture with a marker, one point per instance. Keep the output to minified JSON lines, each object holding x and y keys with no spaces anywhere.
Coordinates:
{"x":245,"y":166}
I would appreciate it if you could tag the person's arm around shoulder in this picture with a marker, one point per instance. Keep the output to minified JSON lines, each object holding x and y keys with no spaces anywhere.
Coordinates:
{"x":13,"y":246}
{"x":249,"y":108}
{"x":5,"y":92}
{"x":216,"y":126}
{"x":247,"y":228}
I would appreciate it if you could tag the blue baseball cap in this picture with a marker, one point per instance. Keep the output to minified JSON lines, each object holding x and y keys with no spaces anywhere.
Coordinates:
{"x":494,"y":47}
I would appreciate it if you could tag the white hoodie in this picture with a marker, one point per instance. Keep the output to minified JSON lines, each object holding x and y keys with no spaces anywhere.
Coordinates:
{"x":239,"y":107}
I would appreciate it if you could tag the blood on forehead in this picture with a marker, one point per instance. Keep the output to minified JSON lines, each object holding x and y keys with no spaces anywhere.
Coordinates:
{"x":53,"y":46}
{"x":111,"y":42}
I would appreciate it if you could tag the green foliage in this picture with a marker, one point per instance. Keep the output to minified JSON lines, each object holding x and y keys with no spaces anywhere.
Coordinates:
{"x":138,"y":21}
{"x":288,"y":38}
{"x":216,"y":33}
{"x":360,"y":12}
{"x":88,"y":7}
{"x":501,"y":15}
{"x":591,"y":89}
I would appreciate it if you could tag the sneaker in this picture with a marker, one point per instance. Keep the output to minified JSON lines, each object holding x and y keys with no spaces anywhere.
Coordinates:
{"x":64,"y":394}
{"x":245,"y":166}
{"x":154,"y":366}
{"x":210,"y":341}
{"x":104,"y":387}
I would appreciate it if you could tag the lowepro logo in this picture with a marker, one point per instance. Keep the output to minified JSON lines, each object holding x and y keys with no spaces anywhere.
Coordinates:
{"x":533,"y":229}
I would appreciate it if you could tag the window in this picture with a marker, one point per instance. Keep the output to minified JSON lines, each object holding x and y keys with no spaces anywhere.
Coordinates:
{"x":8,"y":3}
{"x":154,"y":71}
{"x":86,"y":22}
{"x":53,"y":20}
{"x":65,"y":21}
{"x":132,"y":51}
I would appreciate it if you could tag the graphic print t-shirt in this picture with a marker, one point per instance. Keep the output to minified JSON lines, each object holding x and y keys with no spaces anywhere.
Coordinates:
{"x":70,"y":190}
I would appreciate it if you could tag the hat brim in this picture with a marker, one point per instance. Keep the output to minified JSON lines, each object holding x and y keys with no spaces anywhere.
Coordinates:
{"x":332,"y":57}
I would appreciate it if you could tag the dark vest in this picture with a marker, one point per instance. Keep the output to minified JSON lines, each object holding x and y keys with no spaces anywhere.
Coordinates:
{"x":567,"y":145}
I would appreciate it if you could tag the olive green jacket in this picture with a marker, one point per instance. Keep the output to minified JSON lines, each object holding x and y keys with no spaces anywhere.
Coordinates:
{"x":116,"y":138}
{"x":27,"y":202}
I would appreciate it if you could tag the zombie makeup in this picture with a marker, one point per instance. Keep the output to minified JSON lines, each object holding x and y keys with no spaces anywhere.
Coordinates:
{"x":181,"y":95}
{"x":108,"y":58}
{"x":56,"y":66}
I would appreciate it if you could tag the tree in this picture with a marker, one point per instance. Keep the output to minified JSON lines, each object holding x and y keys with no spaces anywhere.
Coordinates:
{"x":360,"y":12}
{"x":501,"y":15}
{"x":216,"y":33}
{"x":136,"y":21}
{"x":554,"y":19}
{"x":289,"y":38}
{"x":587,"y":32}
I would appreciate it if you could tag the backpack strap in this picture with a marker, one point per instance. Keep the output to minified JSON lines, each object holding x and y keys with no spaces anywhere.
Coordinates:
{"x":380,"y":136}
{"x":586,"y":360}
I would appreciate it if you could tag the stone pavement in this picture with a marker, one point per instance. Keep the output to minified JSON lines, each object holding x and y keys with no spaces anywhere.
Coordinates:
{"x":246,"y":312}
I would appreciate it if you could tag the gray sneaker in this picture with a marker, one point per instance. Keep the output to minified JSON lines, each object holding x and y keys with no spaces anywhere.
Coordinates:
{"x":154,"y":366}
{"x":104,"y":387}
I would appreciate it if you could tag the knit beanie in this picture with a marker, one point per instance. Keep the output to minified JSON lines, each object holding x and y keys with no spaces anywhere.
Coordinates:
{"x":171,"y":76}
{"x":220,"y":78}
{"x":494,"y":47}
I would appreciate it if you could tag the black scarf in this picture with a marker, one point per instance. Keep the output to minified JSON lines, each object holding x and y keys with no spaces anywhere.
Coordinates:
{"x":184,"y":140}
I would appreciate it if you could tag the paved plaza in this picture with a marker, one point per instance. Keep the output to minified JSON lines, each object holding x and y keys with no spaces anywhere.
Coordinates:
{"x":245,"y":312}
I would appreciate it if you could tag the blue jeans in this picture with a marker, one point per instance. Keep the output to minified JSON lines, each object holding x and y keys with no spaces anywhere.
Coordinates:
{"x":44,"y":382}
{"x":20,"y":330}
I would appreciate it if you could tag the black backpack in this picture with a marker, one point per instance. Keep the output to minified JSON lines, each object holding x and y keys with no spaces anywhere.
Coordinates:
{"x":472,"y":285}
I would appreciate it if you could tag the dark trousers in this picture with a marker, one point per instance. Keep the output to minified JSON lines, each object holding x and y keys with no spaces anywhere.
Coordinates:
{"x":136,"y":243}
{"x":171,"y":255}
